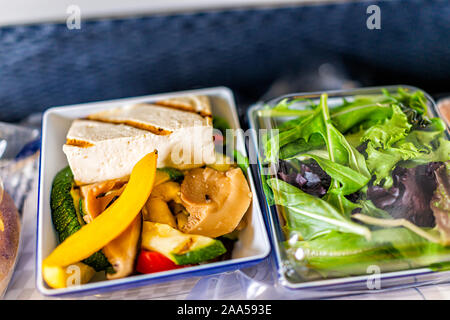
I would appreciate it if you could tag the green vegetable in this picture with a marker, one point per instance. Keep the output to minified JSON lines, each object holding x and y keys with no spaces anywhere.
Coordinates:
{"x":382,"y":157}
{"x":300,"y":146}
{"x":349,"y":180}
{"x":394,"y":130}
{"x":414,"y":105}
{"x":267,"y":190}
{"x":241,"y":160}
{"x":343,"y":254}
{"x":222,"y":125}
{"x":290,"y":140}
{"x":350,"y":117}
{"x":361,"y":111}
{"x":174,"y":174}
{"x":65,"y":217}
{"x":309,"y":215}
{"x":369,"y":209}
{"x":179,"y":247}
{"x":388,"y":147}
{"x":430,"y":235}
{"x":340,"y":254}
{"x":233,"y":235}
{"x":283,"y":109}
{"x":346,"y":166}
{"x":385,"y":134}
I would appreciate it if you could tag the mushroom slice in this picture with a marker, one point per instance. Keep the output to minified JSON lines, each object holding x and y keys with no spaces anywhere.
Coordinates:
{"x":216,"y":201}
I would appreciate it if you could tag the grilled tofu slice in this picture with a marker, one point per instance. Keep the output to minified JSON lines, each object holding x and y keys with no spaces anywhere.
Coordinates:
{"x":108,"y":144}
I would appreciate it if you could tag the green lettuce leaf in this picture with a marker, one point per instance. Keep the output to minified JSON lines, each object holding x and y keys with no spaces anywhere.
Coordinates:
{"x":419,"y":147}
{"x":350,"y":117}
{"x":369,"y":209}
{"x":361,"y":110}
{"x":343,"y":254}
{"x":317,"y":215}
{"x":350,"y":180}
{"x":381,"y":162}
{"x":346,"y":166}
{"x":390,"y":131}
{"x":413,"y":104}
{"x":425,"y":155}
{"x":291,"y":134}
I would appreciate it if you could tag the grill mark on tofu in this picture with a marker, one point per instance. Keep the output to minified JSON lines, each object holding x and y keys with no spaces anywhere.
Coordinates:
{"x":79,"y":143}
{"x":181,"y":106}
{"x":155,"y":130}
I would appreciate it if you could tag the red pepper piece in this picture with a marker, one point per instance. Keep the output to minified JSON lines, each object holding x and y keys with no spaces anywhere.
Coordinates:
{"x":151,"y":261}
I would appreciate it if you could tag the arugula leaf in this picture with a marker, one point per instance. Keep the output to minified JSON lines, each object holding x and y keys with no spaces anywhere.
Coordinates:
{"x":305,"y":208}
{"x":267,"y":190}
{"x":300,"y":146}
{"x":339,"y":150}
{"x":352,"y":157}
{"x":340,"y":154}
{"x":350,"y":180}
{"x":429,"y":235}
{"x":273,"y":141}
{"x":362,"y":109}
{"x":343,"y":254}
{"x":369,"y":209}
{"x":283,"y":109}
{"x":363,"y":112}
{"x":341,"y":203}
{"x":345,"y":117}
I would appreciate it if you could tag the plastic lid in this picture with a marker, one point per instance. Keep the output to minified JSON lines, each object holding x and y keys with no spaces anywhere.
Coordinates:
{"x":357,"y":184}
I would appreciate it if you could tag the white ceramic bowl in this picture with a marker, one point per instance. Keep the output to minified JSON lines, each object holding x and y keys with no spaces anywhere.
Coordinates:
{"x":252,"y":247}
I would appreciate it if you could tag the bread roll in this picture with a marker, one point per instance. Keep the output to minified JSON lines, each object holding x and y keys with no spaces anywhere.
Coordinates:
{"x":9,"y":239}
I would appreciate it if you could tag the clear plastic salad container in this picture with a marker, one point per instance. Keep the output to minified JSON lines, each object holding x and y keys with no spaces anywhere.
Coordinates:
{"x":356,"y":187}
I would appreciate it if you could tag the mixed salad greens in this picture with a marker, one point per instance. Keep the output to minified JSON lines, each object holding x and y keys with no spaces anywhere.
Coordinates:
{"x":365,"y":182}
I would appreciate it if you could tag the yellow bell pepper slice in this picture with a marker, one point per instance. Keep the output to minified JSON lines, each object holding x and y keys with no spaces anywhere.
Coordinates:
{"x":62,"y":277}
{"x":113,"y":221}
